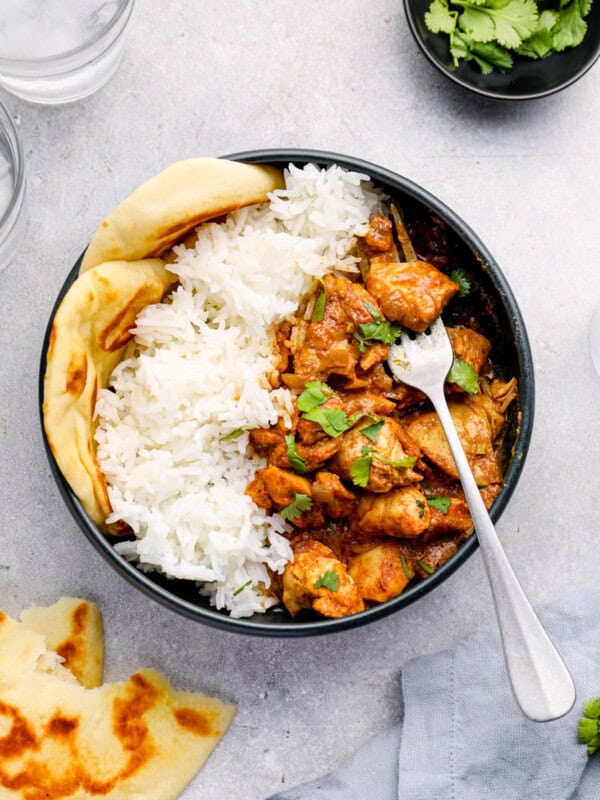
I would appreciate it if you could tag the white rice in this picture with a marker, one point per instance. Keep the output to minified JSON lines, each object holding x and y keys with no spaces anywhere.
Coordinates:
{"x":199,"y":371}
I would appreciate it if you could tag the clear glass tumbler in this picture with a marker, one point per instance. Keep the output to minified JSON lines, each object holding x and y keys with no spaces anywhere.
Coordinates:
{"x":12,"y":186}
{"x":59,"y":51}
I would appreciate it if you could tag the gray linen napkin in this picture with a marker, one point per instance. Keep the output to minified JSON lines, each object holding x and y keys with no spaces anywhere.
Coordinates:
{"x":463,"y":737}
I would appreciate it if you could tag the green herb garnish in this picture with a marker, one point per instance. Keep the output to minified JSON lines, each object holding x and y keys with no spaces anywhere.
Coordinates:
{"x":407,"y":571}
{"x":360,"y":469}
{"x":589,"y":725}
{"x":460,"y":277}
{"x":315,"y":394}
{"x":463,"y":375}
{"x":333,"y":420}
{"x":425,"y":567}
{"x":488,"y":32}
{"x":237,"y":433}
{"x":372,"y":431}
{"x":421,"y":507}
{"x":319,"y":306}
{"x":297,"y":463}
{"x":378,"y":331}
{"x":300,"y":503}
{"x":330,"y":580}
{"x":441,"y":504}
{"x":240,"y":589}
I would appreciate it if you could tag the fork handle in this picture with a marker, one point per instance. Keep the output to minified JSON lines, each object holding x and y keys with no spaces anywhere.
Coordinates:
{"x":540,"y":680}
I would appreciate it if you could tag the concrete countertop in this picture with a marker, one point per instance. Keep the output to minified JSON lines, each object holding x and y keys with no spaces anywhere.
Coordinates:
{"x":216,"y":77}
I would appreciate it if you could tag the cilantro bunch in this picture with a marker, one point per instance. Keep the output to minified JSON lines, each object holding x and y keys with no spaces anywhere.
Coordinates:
{"x":489,"y":32}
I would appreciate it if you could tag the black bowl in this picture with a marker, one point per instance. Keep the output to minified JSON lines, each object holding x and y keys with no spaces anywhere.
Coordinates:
{"x":511,"y":346}
{"x":527,"y":79}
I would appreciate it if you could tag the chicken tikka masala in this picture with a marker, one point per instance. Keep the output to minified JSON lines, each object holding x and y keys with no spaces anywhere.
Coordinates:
{"x":363,"y":474}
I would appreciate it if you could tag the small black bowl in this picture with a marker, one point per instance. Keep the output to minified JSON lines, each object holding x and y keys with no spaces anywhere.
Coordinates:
{"x":503,"y":323}
{"x":528,"y":79}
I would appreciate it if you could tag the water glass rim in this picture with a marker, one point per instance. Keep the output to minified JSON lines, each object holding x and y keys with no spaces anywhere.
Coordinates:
{"x":17,"y":160}
{"x":118,"y":20}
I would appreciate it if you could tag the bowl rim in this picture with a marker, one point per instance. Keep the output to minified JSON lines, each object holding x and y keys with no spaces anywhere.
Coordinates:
{"x":220,"y":619}
{"x":490,"y":93}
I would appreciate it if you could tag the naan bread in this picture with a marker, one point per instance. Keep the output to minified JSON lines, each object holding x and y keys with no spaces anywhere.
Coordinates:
{"x":72,"y":628}
{"x":90,"y":331}
{"x":160,"y":212}
{"x":123,"y":741}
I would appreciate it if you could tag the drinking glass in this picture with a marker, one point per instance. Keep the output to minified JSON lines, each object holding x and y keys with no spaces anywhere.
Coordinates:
{"x":58,"y":51}
{"x":12,"y":186}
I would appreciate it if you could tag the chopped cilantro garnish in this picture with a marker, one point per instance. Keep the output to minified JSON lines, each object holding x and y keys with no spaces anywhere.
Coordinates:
{"x":361,"y":467}
{"x":439,"y":503}
{"x":300,"y":503}
{"x":240,"y":589}
{"x":315,"y":394}
{"x":407,"y":570}
{"x":237,"y":433}
{"x":463,"y":375}
{"x":373,"y":311}
{"x":319,"y":306}
{"x":372,"y":431}
{"x":330,"y":580}
{"x":333,"y":420}
{"x":589,"y":725}
{"x":297,"y":463}
{"x":421,"y":507}
{"x":487,"y":31}
{"x":425,"y":567}
{"x":386,"y":332}
{"x":460,"y":277}
{"x":360,"y":470}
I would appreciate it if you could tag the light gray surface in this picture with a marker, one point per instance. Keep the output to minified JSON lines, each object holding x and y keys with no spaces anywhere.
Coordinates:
{"x":216,"y":77}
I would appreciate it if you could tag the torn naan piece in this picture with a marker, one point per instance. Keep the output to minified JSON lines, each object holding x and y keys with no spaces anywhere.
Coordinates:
{"x":135,"y":739}
{"x":72,"y":628}
{"x":160,"y":212}
{"x":89,"y":333}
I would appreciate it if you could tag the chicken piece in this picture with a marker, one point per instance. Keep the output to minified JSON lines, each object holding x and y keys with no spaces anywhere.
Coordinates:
{"x":373,"y":355}
{"x":494,"y":399}
{"x":282,"y":487}
{"x":456,"y":520}
{"x":379,"y":573}
{"x":257,"y":490}
{"x":413,"y":293}
{"x":433,"y":554}
{"x":393,"y":444}
{"x":264,"y":440}
{"x":402,"y":512}
{"x":470,"y":346}
{"x":328,"y":489}
{"x":328,"y":347}
{"x":379,"y":237}
{"x":312,"y":563}
{"x":475,"y":433}
{"x":271,"y":444}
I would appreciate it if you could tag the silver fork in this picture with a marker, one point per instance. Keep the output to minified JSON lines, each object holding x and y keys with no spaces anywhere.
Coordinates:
{"x":541,"y":683}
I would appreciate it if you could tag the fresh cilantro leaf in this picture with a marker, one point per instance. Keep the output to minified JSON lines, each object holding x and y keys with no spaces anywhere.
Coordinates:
{"x":330,"y":580}
{"x":333,"y":420}
{"x":478,"y":24}
{"x":360,"y":470}
{"x":300,"y":503}
{"x":490,"y":55}
{"x":463,"y":375}
{"x":237,"y":433}
{"x":460,"y":277}
{"x":589,"y":725}
{"x":439,"y":18}
{"x":571,"y":27}
{"x":421,"y":507}
{"x":314,"y":394}
{"x":425,"y":567}
{"x":514,"y":21}
{"x":298,"y":464}
{"x":386,"y":332}
{"x":372,"y":431}
{"x":373,"y":311}
{"x":439,"y":503}
{"x":240,"y":589}
{"x":319,"y":307}
{"x":407,"y":570}
{"x":407,"y":461}
{"x":540,"y":43}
